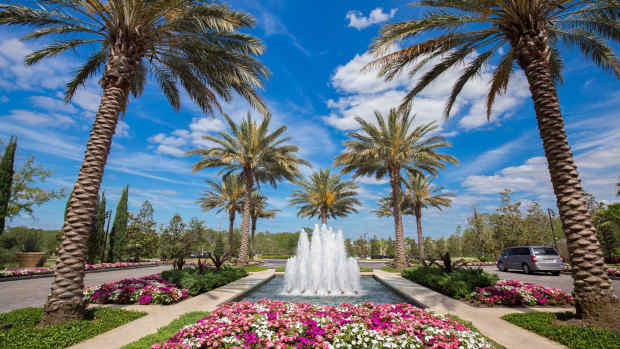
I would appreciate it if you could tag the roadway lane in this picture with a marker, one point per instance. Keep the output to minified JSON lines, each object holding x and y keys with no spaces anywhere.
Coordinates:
{"x":33,"y":292}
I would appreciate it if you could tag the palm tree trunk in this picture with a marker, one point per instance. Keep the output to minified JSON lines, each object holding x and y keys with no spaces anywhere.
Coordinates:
{"x":594,"y":295}
{"x":66,"y":301}
{"x":323,"y":216}
{"x":400,"y":261}
{"x":418,"y":220}
{"x":254,"y":219}
{"x":245,"y":225}
{"x":231,"y":230}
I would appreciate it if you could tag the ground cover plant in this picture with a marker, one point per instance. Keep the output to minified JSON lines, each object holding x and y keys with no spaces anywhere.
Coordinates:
{"x":574,"y":337}
{"x":253,"y":268}
{"x":516,"y":293}
{"x":460,"y":283}
{"x":151,"y":289}
{"x":197,"y":280}
{"x":273,"y":323}
{"x":18,"y":328}
{"x":165,"y":332}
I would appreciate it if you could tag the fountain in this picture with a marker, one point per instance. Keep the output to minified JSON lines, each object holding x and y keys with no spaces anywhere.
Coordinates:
{"x":321,"y":267}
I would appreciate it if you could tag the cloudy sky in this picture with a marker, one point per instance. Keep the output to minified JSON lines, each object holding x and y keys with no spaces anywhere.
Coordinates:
{"x":315,"y":50}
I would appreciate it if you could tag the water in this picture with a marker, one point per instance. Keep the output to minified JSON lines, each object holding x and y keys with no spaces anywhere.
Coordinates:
{"x":321,"y":267}
{"x":374,"y":291}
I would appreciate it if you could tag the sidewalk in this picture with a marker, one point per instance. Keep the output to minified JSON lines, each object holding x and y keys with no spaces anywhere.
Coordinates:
{"x":487,"y":320}
{"x":161,"y":315}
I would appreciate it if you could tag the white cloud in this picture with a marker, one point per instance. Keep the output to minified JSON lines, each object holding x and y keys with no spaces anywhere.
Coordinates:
{"x":371,"y":180}
{"x":207,"y":125}
{"x":30,"y":118}
{"x":358,"y":21}
{"x":87,"y":98}
{"x":122,"y":129}
{"x":4,"y":99}
{"x":52,"y":104}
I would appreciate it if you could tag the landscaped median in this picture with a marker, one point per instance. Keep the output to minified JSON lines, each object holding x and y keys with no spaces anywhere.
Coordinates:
{"x":11,"y":274}
{"x":169,"y":287}
{"x":481,"y":288}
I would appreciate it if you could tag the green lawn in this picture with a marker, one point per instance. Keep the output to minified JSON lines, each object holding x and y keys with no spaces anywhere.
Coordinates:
{"x":280,"y":269}
{"x":253,"y":268}
{"x":18,"y":328}
{"x":391,"y":269}
{"x":366,"y":269}
{"x":574,"y":337}
{"x":473,"y":328}
{"x":163,"y":333}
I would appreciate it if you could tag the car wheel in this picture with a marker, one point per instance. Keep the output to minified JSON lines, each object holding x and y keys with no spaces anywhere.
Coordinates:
{"x":501,"y":267}
{"x":556,"y":273}
{"x":526,"y":269}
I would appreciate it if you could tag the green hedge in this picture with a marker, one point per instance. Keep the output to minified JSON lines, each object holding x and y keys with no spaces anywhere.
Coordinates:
{"x":163,"y":333}
{"x":197,"y":283}
{"x":284,"y":256}
{"x":460,"y":283}
{"x":574,"y":337}
{"x":18,"y":328}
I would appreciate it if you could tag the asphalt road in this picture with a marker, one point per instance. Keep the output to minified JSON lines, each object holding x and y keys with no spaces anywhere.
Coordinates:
{"x":33,"y":292}
{"x":563,"y":281}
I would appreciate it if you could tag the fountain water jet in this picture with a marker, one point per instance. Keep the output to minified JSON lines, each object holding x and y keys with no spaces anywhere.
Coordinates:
{"x":321,"y":266}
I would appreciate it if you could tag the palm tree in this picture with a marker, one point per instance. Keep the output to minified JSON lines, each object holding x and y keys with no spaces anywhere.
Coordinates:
{"x":325,"y":195}
{"x":529,"y":33}
{"x":187,"y":42}
{"x":388,"y":147}
{"x":224,"y":197}
{"x":258,"y":209}
{"x":256,"y":155}
{"x":419,"y":194}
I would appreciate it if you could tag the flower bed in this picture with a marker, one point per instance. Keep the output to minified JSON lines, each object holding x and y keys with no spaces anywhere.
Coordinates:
{"x":517,"y":293}
{"x":479,"y":264}
{"x":152,"y":289}
{"x":87,"y":267}
{"x":278,"y":324}
{"x":610,"y":271}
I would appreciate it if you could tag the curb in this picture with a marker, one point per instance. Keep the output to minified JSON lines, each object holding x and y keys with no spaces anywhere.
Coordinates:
{"x":47,"y":275}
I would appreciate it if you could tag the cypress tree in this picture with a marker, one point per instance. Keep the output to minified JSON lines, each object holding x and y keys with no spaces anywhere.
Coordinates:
{"x":96,"y":239}
{"x":119,"y":228}
{"x":6,"y":179}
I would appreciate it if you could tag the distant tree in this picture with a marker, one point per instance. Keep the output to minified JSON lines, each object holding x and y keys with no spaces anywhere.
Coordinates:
{"x":96,"y":239}
{"x":389,"y":248}
{"x":142,"y":239}
{"x":225,"y":196}
{"x":429,"y":245}
{"x":198,"y":233}
{"x":258,"y":209}
{"x":361,"y":247}
{"x":607,"y":223}
{"x":375,"y":252}
{"x":325,"y":195}
{"x":176,"y":242}
{"x":412,"y":249}
{"x":454,"y":245}
{"x":6,"y":180}
{"x":118,"y":234}
{"x":348,"y":245}
{"x":218,"y":255}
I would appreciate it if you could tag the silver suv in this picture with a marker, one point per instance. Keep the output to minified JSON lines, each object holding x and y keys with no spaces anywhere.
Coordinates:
{"x":531,"y":259}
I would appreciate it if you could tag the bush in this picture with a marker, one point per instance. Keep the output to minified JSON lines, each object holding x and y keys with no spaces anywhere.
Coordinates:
{"x":574,"y":337}
{"x":517,"y":293}
{"x":18,"y":328}
{"x":196,"y":283}
{"x":460,"y":283}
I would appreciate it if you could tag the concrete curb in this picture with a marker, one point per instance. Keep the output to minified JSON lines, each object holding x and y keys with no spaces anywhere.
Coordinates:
{"x":39,"y":276}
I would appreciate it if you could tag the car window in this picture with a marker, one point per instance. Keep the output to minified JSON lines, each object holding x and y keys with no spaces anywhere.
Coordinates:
{"x":547,"y":251}
{"x":524,"y":251}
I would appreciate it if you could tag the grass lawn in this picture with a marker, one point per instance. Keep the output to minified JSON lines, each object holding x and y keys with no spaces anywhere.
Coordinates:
{"x":574,"y":337}
{"x":163,"y":333}
{"x":253,"y":268}
{"x":473,"y":328}
{"x":366,"y":270}
{"x":391,"y":269}
{"x":280,"y":269}
{"x":18,"y":328}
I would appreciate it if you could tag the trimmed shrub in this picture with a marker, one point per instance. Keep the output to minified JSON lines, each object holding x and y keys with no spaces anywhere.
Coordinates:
{"x":196,"y":283}
{"x":574,"y":337}
{"x":460,"y":283}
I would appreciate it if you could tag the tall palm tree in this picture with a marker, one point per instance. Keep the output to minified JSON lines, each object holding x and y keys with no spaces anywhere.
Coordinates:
{"x":258,"y":209}
{"x":526,"y":32}
{"x":224,"y":197}
{"x":256,"y":155}
{"x":325,"y":195}
{"x":419,"y":194}
{"x":388,"y":147}
{"x":187,"y":42}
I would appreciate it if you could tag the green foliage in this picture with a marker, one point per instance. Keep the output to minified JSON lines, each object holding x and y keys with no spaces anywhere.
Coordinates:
{"x":365,"y":269}
{"x":142,"y":238}
{"x":574,"y":337}
{"x":30,"y":241}
{"x":281,"y":269}
{"x":607,"y":222}
{"x":286,"y":256}
{"x":24,"y":332}
{"x":391,"y":269}
{"x":471,"y":326}
{"x":197,"y":283}
{"x":460,"y":283}
{"x":253,"y":268}
{"x":118,"y":234}
{"x":6,"y":180}
{"x":14,"y":238}
{"x":325,"y":195}
{"x":375,"y":252}
{"x":176,"y":242}
{"x":165,"y":332}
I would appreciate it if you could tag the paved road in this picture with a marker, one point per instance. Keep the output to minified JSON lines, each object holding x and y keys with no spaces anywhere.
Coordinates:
{"x":563,"y":281}
{"x":274,"y":263}
{"x":33,"y":292}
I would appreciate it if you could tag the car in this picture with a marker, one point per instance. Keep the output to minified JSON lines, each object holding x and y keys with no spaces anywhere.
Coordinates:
{"x":531,"y":259}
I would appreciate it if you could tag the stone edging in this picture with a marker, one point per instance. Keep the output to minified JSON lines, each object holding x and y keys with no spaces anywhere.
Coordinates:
{"x":47,"y":275}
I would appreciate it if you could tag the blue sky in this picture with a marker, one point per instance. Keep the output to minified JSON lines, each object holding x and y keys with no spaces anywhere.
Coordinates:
{"x":315,"y":51}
